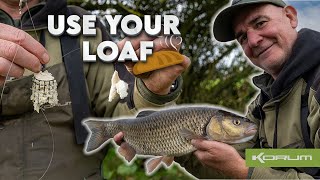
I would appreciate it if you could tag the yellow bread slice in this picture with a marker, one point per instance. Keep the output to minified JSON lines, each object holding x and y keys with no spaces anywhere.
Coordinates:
{"x":158,"y":60}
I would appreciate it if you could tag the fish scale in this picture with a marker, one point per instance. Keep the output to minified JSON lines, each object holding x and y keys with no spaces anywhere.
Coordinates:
{"x":157,"y":128}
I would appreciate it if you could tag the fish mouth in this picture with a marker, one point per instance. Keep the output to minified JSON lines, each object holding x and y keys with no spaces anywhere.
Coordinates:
{"x":251,"y":130}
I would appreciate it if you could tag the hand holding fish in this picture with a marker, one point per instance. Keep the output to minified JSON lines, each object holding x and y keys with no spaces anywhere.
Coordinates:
{"x":166,"y":134}
{"x":118,"y":138}
{"x":18,"y":50}
{"x":221,"y":157}
{"x":158,"y":81}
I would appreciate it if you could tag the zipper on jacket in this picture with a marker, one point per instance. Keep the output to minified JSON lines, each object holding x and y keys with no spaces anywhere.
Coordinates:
{"x":275,"y":133}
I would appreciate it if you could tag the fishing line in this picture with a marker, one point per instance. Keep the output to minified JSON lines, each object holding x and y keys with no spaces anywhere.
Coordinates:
{"x":34,"y":28}
{"x":52,"y":153}
{"x":51,"y":132}
{"x":66,"y":55}
{"x":7,"y":75}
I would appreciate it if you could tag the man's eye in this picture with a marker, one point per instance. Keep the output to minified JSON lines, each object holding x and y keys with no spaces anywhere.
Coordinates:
{"x":243,"y":38}
{"x":260,"y":24}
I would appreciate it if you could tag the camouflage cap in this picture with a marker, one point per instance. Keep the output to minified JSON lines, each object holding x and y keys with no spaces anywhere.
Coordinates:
{"x":222,"y":27}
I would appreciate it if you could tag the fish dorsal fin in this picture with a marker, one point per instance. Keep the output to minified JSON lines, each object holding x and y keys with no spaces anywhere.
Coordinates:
{"x":145,"y":113}
{"x":188,"y":134}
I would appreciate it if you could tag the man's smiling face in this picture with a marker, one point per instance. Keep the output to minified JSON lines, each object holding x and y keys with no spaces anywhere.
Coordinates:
{"x":267,"y":34}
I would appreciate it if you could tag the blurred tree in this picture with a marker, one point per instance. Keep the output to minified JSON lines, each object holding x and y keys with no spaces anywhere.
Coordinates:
{"x":218,"y":73}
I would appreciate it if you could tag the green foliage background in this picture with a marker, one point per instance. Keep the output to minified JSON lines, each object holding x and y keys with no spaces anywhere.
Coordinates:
{"x":219,"y":73}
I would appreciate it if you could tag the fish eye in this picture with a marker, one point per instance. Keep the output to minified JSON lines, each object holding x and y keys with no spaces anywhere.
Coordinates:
{"x":236,"y":122}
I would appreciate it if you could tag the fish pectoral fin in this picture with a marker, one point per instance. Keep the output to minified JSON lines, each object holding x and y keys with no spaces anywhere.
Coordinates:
{"x":153,"y":164}
{"x":188,"y":134}
{"x":167,"y":160}
{"x":145,"y":113}
{"x":127,"y":151}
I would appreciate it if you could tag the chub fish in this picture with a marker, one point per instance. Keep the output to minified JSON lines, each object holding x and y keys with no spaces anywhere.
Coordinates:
{"x":168,"y":133}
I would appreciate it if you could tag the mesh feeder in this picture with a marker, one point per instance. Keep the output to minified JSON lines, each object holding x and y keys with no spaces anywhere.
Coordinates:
{"x":44,"y":90}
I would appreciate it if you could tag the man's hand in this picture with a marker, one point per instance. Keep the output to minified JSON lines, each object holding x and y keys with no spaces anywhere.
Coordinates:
{"x":118,"y":138}
{"x":159,"y":81}
{"x":125,"y":149}
{"x":221,"y":157}
{"x":19,"y":46}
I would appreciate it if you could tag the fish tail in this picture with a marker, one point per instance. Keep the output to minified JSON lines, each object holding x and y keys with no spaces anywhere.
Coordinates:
{"x":98,"y":135}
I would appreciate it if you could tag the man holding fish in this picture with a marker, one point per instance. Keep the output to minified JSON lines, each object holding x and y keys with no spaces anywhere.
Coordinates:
{"x":266,"y":31}
{"x":287,"y":108}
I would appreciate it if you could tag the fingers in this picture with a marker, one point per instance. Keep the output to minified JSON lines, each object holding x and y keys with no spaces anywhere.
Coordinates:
{"x":2,"y":79}
{"x":118,"y":138}
{"x":135,"y":41}
{"x":13,"y":52}
{"x":160,"y":43}
{"x":207,"y":151}
{"x":200,"y":144}
{"x":202,"y":156}
{"x":158,"y":81}
{"x":15,"y":71}
{"x":214,"y":149}
{"x":184,"y":65}
{"x":172,"y":72}
{"x":21,"y":48}
{"x":205,"y":145}
{"x":27,"y":42}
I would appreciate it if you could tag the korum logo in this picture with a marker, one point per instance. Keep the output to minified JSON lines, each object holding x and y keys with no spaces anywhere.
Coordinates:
{"x":283,"y":157}
{"x":262,"y":157}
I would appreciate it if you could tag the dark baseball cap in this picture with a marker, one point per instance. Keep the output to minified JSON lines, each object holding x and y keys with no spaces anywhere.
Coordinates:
{"x":222,"y":27}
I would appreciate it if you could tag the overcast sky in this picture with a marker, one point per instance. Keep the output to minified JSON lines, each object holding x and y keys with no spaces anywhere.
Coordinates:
{"x":308,"y":13}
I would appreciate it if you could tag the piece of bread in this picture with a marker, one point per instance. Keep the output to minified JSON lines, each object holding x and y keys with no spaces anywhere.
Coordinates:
{"x":158,"y":60}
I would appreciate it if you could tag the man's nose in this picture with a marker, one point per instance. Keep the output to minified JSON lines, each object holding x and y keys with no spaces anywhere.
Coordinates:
{"x":254,"y":38}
